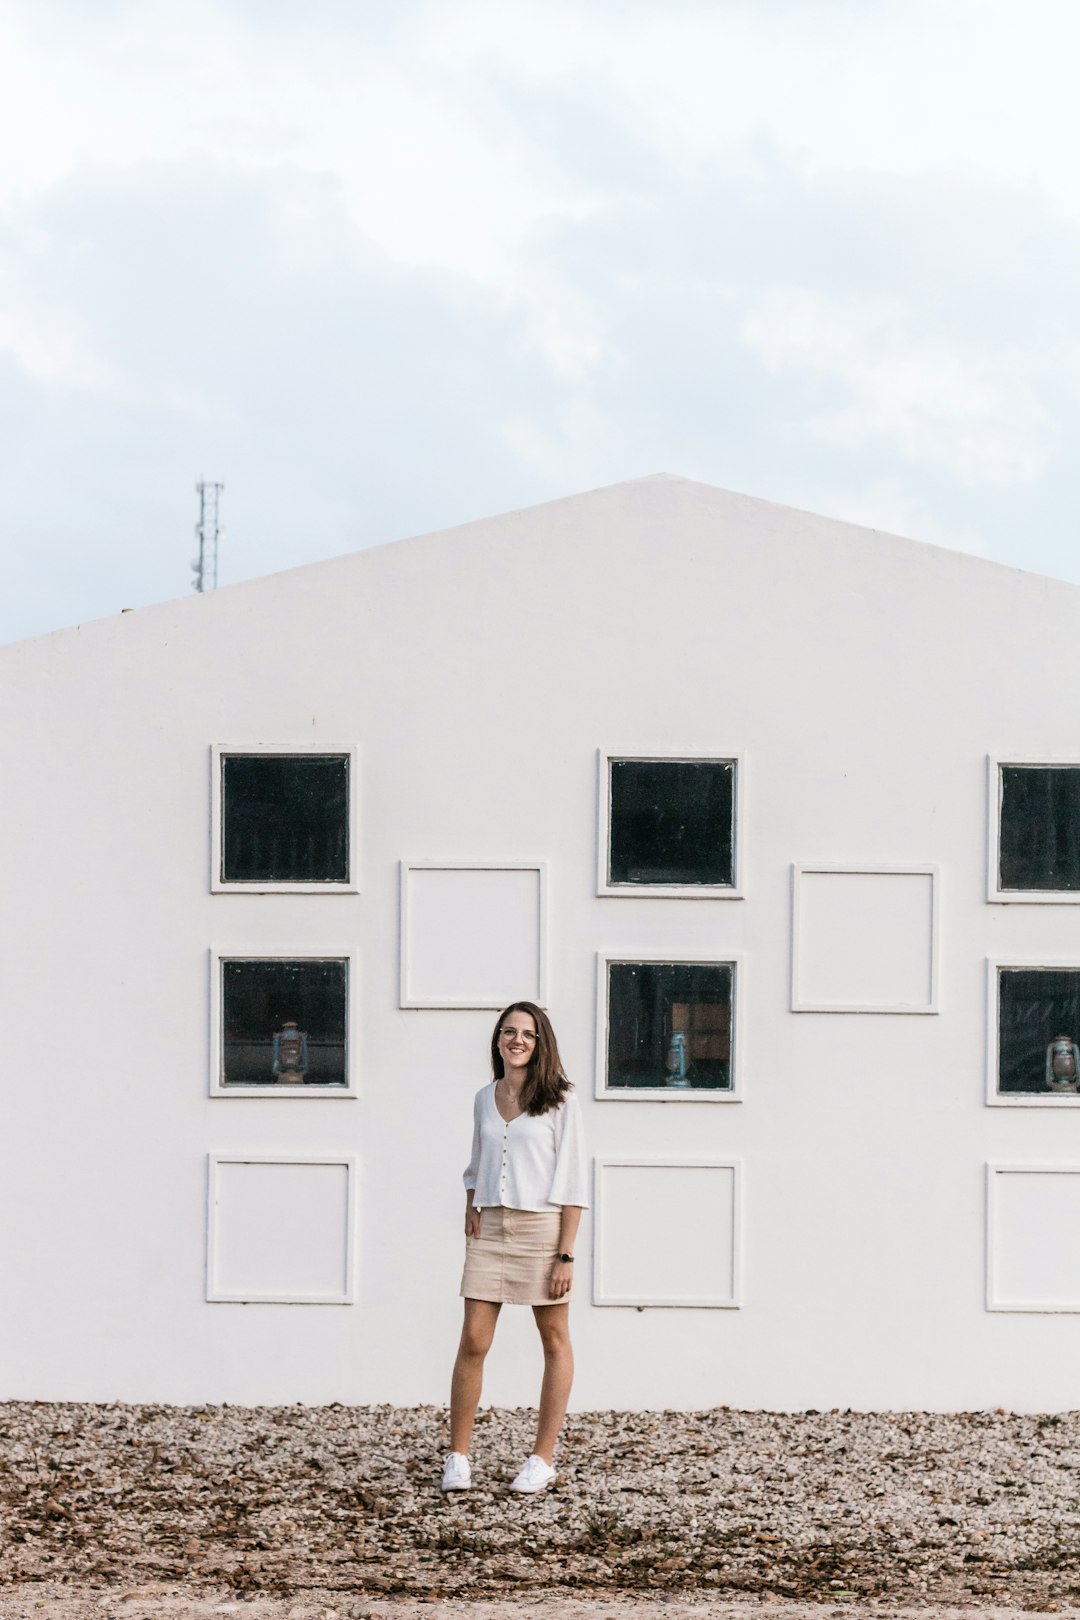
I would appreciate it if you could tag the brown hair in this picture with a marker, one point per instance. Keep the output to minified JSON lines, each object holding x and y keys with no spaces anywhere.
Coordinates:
{"x":545,"y":1083}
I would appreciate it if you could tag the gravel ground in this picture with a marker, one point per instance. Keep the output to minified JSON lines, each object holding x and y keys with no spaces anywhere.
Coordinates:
{"x":177,"y":1603}
{"x":298,"y":1511}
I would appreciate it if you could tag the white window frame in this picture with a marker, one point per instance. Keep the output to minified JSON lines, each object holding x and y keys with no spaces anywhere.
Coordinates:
{"x":994,"y":966}
{"x":671,"y":1301}
{"x":243,"y":953}
{"x":994,"y":1173}
{"x":994,"y":893}
{"x":732,"y":959}
{"x":879,"y":869}
{"x":218,"y":751}
{"x":220,"y":1296}
{"x":669,"y":891}
{"x":406,"y":998}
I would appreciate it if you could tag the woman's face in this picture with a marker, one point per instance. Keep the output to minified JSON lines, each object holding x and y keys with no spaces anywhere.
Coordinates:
{"x":517,"y":1041}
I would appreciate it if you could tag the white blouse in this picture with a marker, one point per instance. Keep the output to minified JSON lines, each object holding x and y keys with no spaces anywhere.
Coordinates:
{"x":536,"y":1161}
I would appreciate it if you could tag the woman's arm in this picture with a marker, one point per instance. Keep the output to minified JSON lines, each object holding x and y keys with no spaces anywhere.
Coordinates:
{"x":472,"y":1169}
{"x":570,"y":1182}
{"x":562,"y":1273}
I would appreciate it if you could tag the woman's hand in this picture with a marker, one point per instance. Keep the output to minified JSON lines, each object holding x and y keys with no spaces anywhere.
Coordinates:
{"x":472,"y":1221}
{"x":562,"y":1275}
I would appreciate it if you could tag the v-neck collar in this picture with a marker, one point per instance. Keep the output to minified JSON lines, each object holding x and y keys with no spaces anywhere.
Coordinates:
{"x":498,"y":1110}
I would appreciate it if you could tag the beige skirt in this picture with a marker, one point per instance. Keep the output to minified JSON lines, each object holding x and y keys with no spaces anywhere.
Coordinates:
{"x":510,"y":1262}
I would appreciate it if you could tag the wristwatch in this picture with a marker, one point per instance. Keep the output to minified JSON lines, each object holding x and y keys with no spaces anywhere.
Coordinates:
{"x":567,"y":1259}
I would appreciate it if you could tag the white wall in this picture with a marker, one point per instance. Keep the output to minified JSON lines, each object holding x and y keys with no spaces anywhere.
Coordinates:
{"x":863,"y":678}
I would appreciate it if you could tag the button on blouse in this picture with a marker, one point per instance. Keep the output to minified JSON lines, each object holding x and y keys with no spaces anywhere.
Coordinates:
{"x":536,"y":1161}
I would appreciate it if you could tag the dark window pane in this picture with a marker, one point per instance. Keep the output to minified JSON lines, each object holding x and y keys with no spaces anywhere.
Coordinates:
{"x":1040,"y":827}
{"x":669,"y":1025}
{"x":302,"y":1004}
{"x":1036,"y":1006}
{"x":285,"y":818}
{"x":672,"y":821}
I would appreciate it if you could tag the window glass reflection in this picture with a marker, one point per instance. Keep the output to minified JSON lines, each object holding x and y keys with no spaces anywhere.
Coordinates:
{"x":285,"y":818}
{"x":1040,"y":827}
{"x":284,"y":1023}
{"x":1038,"y":1030}
{"x":670,"y":1025}
{"x":671,"y":822}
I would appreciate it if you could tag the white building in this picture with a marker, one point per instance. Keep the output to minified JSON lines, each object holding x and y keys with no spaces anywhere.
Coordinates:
{"x":733,"y":771}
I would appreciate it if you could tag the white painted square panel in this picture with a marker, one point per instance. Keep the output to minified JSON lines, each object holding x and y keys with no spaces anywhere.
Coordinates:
{"x":280,"y":1229}
{"x":472,"y":936}
{"x":864,"y":940}
{"x":1033,"y":1260}
{"x":667,"y":1232}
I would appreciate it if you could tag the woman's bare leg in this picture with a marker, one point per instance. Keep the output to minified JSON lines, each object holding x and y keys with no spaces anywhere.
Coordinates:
{"x":554,"y":1324}
{"x":477,"y":1333}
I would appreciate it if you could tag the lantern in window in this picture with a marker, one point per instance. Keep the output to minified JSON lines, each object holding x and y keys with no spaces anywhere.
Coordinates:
{"x":1062,"y":1064}
{"x":290,"y":1063}
{"x":675,"y":1061}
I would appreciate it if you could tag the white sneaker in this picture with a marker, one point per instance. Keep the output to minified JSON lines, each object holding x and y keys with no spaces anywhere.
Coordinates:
{"x":534,"y":1476}
{"x":457,"y":1475}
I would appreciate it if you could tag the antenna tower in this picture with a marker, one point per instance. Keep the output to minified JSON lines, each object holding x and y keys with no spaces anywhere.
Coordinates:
{"x":207,"y":532}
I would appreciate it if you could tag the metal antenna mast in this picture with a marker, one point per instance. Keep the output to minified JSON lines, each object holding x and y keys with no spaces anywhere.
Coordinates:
{"x":207,"y":532}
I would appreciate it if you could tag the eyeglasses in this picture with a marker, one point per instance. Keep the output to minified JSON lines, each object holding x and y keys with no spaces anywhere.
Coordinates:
{"x":526,"y":1035}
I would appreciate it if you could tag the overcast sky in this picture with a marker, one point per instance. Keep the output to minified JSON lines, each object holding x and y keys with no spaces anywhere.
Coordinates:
{"x":383,"y":266}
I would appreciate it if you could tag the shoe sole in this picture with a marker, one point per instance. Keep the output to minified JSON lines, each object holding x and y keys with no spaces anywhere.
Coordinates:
{"x":531,"y":1490}
{"x":446,"y":1489}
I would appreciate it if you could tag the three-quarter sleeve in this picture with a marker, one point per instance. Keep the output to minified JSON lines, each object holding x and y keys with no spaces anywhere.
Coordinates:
{"x":570,"y":1183}
{"x":473,"y":1166}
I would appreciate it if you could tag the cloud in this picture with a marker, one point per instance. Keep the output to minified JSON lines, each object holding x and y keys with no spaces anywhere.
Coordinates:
{"x":416,"y":110}
{"x":970,"y":412}
{"x":342,"y":403}
{"x":898,"y":87}
{"x":570,"y":448}
{"x":385,"y":268}
{"x":431,"y":166}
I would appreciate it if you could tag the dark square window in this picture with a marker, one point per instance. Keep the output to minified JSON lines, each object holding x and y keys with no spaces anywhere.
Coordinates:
{"x":1040,"y":827}
{"x":672,"y":822}
{"x":285,"y":818}
{"x":283,"y":1023}
{"x":669,"y":1025}
{"x":1038,"y":1030}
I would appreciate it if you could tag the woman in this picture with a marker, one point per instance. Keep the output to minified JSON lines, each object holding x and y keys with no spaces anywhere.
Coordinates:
{"x":525,"y":1188}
